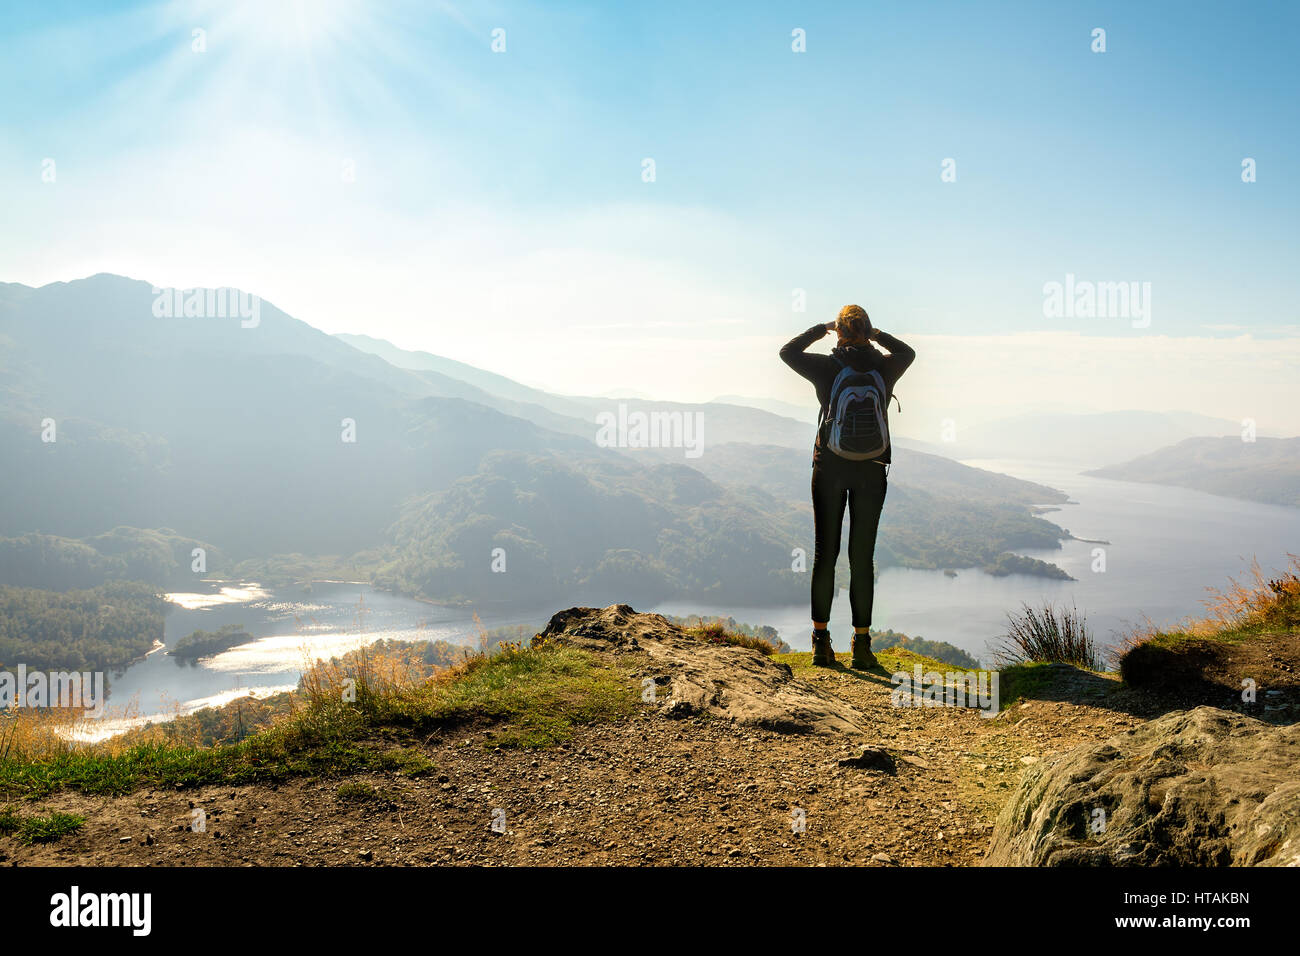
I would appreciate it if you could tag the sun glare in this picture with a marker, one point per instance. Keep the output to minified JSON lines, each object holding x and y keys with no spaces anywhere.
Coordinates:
{"x":310,"y":26}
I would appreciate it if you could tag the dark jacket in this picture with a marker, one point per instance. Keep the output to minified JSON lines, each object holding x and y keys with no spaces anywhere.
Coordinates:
{"x":822,"y":369}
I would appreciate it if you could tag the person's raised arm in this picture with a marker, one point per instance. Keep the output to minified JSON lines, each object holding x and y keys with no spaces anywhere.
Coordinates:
{"x":901,"y":355}
{"x":795,"y":352}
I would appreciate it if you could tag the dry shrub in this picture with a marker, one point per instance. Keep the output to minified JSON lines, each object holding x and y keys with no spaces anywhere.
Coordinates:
{"x":40,"y":733}
{"x":1048,"y":634}
{"x":714,"y":632}
{"x":1260,"y":602}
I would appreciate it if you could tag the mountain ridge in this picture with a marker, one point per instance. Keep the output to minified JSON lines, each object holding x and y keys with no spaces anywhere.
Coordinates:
{"x":1265,"y":469}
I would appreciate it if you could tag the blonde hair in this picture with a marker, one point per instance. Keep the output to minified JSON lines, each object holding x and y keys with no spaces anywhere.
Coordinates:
{"x":853,"y":325}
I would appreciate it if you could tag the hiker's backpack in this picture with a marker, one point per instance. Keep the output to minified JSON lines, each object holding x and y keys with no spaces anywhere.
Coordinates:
{"x":857,"y":415}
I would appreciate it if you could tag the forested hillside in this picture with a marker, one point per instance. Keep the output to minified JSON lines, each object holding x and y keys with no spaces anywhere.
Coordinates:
{"x":1266,"y":469}
{"x":96,"y":629}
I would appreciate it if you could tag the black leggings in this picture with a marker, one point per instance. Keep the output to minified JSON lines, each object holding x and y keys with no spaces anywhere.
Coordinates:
{"x":863,"y":483}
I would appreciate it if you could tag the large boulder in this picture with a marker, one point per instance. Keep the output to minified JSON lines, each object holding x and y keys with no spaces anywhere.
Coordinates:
{"x":692,"y":676}
{"x":1204,"y":787}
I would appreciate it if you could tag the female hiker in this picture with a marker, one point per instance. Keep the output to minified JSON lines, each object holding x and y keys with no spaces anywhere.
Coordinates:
{"x":850,"y":462}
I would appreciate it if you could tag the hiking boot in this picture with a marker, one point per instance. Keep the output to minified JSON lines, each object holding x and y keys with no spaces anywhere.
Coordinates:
{"x":863,"y":659}
{"x":823,"y":653}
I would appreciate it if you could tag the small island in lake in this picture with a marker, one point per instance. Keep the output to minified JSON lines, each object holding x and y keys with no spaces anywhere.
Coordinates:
{"x":1008,"y":563}
{"x":207,"y":643}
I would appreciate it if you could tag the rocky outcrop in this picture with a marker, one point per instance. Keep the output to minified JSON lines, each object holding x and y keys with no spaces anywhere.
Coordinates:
{"x":691,"y":676}
{"x":1205,"y":787}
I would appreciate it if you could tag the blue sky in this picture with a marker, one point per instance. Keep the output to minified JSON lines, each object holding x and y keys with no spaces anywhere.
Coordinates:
{"x":498,"y":212}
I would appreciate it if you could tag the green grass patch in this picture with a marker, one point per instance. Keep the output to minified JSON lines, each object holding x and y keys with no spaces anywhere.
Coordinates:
{"x":268,"y":757}
{"x":405,"y":762}
{"x":532,"y":697}
{"x":896,"y":659}
{"x":1173,"y":640}
{"x":1023,"y":682}
{"x":893,"y":660}
{"x":48,"y":828}
{"x":536,"y":696}
{"x":358,"y":792}
{"x":36,"y":828}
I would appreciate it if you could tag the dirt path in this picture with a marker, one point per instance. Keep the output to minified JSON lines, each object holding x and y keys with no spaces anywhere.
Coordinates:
{"x":650,"y":790}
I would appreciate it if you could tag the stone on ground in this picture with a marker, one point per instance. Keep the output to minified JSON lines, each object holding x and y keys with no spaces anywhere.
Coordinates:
{"x":694,"y":677}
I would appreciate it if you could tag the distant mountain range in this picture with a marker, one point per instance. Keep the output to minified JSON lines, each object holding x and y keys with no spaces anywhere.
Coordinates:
{"x":228,"y":434}
{"x":803,"y":413}
{"x":238,"y":438}
{"x":1267,"y":469}
{"x":723,"y":421}
{"x":1094,"y":439}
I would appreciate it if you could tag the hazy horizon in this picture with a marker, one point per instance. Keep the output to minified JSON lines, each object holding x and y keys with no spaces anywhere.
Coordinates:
{"x":800,"y":396}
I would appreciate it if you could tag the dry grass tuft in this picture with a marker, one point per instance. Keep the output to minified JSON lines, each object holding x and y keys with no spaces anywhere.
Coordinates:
{"x":715,"y":633}
{"x":1048,"y":635}
{"x":1258,"y":603}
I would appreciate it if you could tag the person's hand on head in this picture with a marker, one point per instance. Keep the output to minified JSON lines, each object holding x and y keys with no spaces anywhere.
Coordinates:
{"x":830,"y":326}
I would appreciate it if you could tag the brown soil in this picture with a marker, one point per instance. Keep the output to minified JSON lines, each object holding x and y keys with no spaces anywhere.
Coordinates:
{"x":650,"y":790}
{"x":1206,"y":671}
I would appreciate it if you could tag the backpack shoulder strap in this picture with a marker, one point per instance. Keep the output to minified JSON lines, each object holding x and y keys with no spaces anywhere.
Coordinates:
{"x":821,"y":412}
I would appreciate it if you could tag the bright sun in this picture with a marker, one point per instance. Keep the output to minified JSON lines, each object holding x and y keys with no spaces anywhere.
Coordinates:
{"x":311,"y":26}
